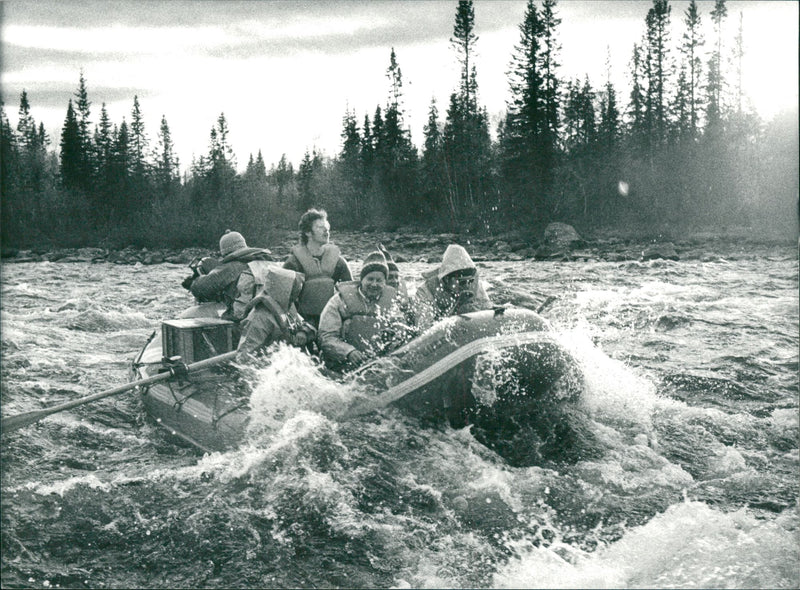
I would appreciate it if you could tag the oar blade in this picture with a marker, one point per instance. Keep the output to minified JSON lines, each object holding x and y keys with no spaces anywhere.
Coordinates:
{"x":13,"y":423}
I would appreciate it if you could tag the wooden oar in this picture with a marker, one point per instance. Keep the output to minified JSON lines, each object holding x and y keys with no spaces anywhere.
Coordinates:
{"x":21,"y":420}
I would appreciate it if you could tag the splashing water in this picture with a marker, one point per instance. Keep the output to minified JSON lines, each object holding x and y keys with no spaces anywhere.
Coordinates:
{"x":676,"y":466}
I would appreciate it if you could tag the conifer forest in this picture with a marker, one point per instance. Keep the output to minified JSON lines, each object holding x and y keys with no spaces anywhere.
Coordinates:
{"x":679,"y":145}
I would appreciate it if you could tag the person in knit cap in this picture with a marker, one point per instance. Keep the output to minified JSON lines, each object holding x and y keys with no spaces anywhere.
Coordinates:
{"x":360,"y":318}
{"x":393,"y":280}
{"x":452,"y":288}
{"x":236,"y":279}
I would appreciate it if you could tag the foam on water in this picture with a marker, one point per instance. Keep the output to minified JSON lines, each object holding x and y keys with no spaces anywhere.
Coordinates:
{"x":690,"y":545}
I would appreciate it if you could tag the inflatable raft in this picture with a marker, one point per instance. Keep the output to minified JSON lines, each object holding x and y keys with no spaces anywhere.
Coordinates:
{"x":447,"y":374}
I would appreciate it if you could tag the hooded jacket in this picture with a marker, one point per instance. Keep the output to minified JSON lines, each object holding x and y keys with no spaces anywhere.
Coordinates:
{"x":432,"y":302}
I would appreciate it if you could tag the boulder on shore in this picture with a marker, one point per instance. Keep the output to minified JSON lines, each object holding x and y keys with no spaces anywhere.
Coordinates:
{"x":559,"y":238}
{"x":665,"y":251}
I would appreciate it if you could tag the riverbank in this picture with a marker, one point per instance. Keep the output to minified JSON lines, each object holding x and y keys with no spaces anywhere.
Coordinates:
{"x":419,"y":246}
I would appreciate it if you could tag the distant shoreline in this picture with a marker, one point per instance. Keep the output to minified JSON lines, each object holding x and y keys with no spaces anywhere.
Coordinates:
{"x":408,"y":245}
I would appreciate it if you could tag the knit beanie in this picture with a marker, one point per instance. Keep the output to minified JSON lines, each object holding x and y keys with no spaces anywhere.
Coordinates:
{"x":390,"y":263}
{"x":375,"y":261}
{"x":230,"y":242}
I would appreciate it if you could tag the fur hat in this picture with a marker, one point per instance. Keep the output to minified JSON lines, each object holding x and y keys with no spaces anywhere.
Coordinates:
{"x":375,"y":261}
{"x":230,"y":242}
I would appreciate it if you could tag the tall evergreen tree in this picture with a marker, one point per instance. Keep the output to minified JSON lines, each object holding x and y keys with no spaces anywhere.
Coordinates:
{"x":434,"y":172}
{"x":524,"y":135}
{"x":658,"y":69}
{"x":638,"y":128}
{"x":123,"y":204}
{"x":71,"y":151}
{"x":138,"y":143}
{"x":305,"y":176}
{"x":83,"y":115}
{"x":466,"y":131}
{"x":549,"y":64}
{"x":609,"y":130}
{"x":351,"y":165}
{"x":715,"y":83}
{"x":166,"y":173}
{"x":691,"y":46}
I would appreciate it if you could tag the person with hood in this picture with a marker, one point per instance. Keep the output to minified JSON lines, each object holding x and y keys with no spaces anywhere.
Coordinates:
{"x":320,"y":261}
{"x":358,"y":321}
{"x":452,"y":288}
{"x":237,"y":277}
{"x":271,"y":315}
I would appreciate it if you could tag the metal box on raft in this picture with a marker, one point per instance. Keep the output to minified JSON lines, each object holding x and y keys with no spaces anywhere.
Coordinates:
{"x":195,"y":339}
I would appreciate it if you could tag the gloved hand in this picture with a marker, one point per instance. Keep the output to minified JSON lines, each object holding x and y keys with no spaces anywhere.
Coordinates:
{"x":187,"y":282}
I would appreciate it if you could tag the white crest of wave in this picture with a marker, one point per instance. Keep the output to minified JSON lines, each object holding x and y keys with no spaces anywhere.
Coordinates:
{"x":614,"y":392}
{"x":691,"y":545}
{"x":289,"y":383}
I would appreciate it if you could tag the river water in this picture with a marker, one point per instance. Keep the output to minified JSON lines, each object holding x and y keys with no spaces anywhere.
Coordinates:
{"x":691,"y":397}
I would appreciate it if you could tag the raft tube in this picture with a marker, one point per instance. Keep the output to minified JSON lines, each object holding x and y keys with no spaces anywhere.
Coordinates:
{"x":440,"y":374}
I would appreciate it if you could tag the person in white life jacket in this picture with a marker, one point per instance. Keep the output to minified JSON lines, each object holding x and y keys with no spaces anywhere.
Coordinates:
{"x":271,"y":315}
{"x":358,"y":322}
{"x":225,"y":282}
{"x":452,"y":288}
{"x":320,"y":261}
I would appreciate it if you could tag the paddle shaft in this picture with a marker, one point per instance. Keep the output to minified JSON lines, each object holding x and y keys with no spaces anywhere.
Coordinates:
{"x":21,"y":420}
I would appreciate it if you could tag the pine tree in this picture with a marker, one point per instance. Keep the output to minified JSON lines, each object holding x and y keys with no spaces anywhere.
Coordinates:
{"x":10,"y":206}
{"x":658,"y":68}
{"x":350,"y":163}
{"x":715,"y":83}
{"x":464,"y":40}
{"x":305,"y":176}
{"x":548,"y":64}
{"x":524,"y":135}
{"x":138,"y":144}
{"x":609,"y":129}
{"x":692,"y":62}
{"x":467,"y":146}
{"x":71,"y":151}
{"x":122,"y":205}
{"x":86,"y":153}
{"x":636,"y":114}
{"x":434,"y":172}
{"x":167,"y":177}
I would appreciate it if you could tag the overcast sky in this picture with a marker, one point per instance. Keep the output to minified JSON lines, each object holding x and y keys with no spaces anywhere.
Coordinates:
{"x":285,"y":72}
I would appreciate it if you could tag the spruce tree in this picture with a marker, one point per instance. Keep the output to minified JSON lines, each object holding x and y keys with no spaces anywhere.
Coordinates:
{"x":691,"y":46}
{"x":83,"y":115}
{"x":524,"y":135}
{"x":70,"y":151}
{"x":715,"y":83}
{"x":434,"y":172}
{"x":659,"y":69}
{"x":167,"y":177}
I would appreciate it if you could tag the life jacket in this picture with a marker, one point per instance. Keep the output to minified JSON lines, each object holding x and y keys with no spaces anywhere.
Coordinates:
{"x":260,"y":269}
{"x":363,"y":324}
{"x":278,"y":290}
{"x":319,"y":286}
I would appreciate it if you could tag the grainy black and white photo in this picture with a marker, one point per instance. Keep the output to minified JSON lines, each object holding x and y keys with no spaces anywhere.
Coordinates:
{"x":399,"y":294}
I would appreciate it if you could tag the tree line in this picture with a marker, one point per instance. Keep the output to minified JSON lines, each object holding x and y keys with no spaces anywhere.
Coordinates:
{"x":684,"y":148}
